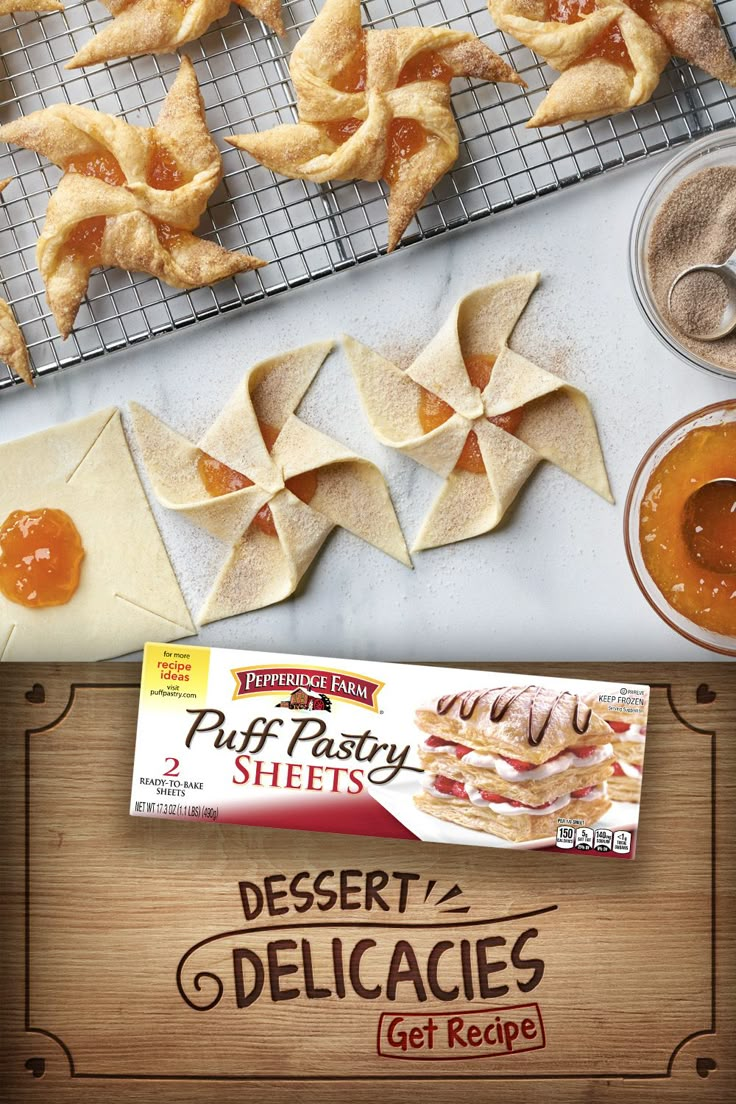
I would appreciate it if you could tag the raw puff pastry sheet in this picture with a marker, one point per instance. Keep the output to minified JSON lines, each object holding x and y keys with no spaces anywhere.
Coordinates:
{"x":128,"y":592}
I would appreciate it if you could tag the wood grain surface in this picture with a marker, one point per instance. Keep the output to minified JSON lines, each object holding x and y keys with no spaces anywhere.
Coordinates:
{"x":131,"y":971}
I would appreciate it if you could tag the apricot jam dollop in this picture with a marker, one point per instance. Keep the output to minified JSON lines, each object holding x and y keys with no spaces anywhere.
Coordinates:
{"x":433,"y":411}
{"x":706,"y":597}
{"x":219,"y":479}
{"x":41,"y":555}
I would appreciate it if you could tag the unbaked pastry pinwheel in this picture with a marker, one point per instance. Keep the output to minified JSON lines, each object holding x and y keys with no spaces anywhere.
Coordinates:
{"x":611,"y":53}
{"x":162,"y":26}
{"x":375,"y":105}
{"x":478,"y":414}
{"x":269,"y":485}
{"x":129,"y":198}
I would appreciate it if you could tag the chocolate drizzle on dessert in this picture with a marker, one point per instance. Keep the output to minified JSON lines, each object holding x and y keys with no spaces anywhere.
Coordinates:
{"x":540,"y":711}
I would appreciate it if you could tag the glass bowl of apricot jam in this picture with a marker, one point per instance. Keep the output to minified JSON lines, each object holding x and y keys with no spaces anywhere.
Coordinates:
{"x":680,"y":527}
{"x":686,"y":216}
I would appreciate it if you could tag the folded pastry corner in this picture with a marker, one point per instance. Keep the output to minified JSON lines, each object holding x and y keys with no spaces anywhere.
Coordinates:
{"x":508,"y":760}
{"x":13,"y":348}
{"x":375,"y":105}
{"x":7,"y":7}
{"x":270,"y":486}
{"x":162,"y":26}
{"x":611,"y":53}
{"x":478,"y":414}
{"x":130,"y":196}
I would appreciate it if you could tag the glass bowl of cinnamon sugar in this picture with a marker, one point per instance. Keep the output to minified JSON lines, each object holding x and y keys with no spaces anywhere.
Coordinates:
{"x":687,"y":216}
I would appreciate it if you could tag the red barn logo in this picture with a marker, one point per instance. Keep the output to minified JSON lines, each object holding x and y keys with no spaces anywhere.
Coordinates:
{"x":309,"y":688}
{"x":304,"y":698}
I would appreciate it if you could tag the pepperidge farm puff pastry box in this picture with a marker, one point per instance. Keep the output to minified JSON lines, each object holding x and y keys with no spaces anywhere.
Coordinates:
{"x":438,"y":754}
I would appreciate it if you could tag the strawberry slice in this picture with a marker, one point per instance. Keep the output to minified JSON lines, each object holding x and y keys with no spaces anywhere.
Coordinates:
{"x":519,"y":764}
{"x":618,"y":770}
{"x":462,"y":749}
{"x":619,"y":726}
{"x":583,"y":752}
{"x":582,"y":791}
{"x":449,"y":786}
{"x":438,"y":741}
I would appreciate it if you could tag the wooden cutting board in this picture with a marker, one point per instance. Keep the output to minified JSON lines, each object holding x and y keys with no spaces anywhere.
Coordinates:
{"x":149,"y":960}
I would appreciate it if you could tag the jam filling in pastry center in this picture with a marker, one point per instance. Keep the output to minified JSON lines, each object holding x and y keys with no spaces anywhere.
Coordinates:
{"x":85,"y":240}
{"x":609,"y":45}
{"x":433,"y":412}
{"x":162,"y":172}
{"x":406,"y":137}
{"x":219,"y":479}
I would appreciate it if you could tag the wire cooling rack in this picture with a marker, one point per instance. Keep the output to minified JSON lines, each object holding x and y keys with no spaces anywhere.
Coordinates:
{"x":305,"y":231}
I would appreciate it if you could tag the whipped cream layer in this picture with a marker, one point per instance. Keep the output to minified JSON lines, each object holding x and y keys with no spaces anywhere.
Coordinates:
{"x":634,"y":734}
{"x":505,"y":808}
{"x":509,"y":773}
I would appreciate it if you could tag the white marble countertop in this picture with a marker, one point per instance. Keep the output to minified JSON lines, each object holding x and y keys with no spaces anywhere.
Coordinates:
{"x":553,"y":582}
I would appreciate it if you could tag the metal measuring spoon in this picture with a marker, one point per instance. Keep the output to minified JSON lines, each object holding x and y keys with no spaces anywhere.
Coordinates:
{"x":709,"y":525}
{"x":727,"y":273}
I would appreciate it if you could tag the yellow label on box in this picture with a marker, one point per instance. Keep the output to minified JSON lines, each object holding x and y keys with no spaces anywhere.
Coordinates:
{"x":173,"y":675}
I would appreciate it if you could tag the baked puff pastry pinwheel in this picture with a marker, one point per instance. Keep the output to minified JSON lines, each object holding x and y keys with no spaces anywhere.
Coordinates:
{"x":375,"y":105}
{"x":611,"y":53}
{"x":13,"y":349}
{"x":267,"y":484}
{"x":129,"y":198}
{"x":478,"y":414}
{"x":7,"y":7}
{"x":162,"y":26}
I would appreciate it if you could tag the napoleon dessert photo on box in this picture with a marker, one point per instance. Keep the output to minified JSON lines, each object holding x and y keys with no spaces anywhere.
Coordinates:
{"x":507,"y":761}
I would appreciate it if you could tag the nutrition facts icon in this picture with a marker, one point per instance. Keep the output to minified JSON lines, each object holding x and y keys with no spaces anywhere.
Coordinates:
{"x":603,"y":839}
{"x":584,"y":839}
{"x":565,"y":836}
{"x":622,"y":842}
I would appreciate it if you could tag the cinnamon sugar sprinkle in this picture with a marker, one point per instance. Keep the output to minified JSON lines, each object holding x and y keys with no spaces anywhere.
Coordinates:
{"x":695,"y":224}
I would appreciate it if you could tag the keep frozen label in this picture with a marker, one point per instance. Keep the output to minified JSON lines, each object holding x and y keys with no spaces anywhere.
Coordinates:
{"x":443,"y":755}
